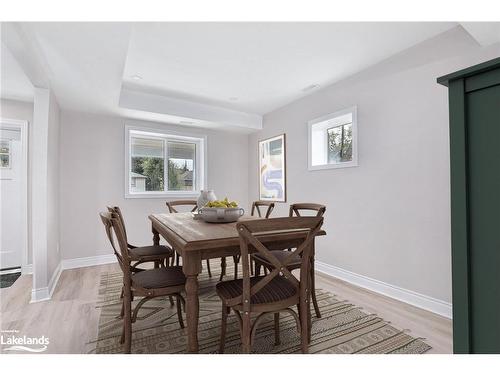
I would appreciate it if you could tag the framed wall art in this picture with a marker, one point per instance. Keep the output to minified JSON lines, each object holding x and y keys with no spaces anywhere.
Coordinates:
{"x":272,"y":169}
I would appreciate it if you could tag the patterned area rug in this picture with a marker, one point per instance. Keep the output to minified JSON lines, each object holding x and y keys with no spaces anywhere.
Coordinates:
{"x":343,"y":327}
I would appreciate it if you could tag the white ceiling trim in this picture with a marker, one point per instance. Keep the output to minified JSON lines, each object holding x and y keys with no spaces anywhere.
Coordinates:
{"x":190,"y":111}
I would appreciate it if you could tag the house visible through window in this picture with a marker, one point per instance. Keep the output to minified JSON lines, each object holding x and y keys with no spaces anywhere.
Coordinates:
{"x":4,"y":153}
{"x":333,"y":140}
{"x":164,"y":164}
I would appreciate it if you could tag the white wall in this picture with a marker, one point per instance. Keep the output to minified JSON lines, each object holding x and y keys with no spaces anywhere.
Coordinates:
{"x":45,"y":193}
{"x":92,"y":177}
{"x":17,"y":110}
{"x":389,"y":218}
{"x":53,"y":196}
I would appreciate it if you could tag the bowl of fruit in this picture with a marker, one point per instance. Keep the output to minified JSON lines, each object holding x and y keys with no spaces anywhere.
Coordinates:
{"x":221,"y":211}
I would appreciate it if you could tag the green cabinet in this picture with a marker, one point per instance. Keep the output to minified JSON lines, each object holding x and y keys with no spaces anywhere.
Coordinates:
{"x":474,"y":101}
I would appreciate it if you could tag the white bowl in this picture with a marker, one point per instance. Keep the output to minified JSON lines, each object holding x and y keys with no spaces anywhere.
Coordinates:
{"x":220,"y":215}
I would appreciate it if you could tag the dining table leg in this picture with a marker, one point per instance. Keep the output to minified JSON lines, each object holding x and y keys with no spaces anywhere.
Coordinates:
{"x":156,"y":236}
{"x":191,"y":266}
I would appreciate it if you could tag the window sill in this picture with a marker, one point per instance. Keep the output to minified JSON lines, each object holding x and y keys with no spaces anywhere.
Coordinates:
{"x":180,"y":194}
{"x":333,"y":166}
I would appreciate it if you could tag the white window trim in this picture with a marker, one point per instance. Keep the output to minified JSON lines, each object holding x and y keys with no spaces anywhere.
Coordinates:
{"x":354,"y":162}
{"x":201,"y":161}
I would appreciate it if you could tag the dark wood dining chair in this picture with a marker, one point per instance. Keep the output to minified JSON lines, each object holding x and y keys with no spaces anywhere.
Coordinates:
{"x":159,"y":255}
{"x":276,"y":292}
{"x":171,"y":205}
{"x":256,"y":208}
{"x":296,"y":209}
{"x":151,"y":283}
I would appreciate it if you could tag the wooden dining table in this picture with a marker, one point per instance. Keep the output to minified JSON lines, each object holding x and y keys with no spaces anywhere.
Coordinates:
{"x":196,"y":240}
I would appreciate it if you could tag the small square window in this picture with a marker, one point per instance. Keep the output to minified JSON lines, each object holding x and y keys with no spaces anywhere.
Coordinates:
{"x":333,"y":140}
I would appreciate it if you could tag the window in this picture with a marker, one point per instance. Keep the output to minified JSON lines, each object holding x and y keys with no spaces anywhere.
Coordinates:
{"x":162,"y":165}
{"x":333,"y":140}
{"x":4,"y":153}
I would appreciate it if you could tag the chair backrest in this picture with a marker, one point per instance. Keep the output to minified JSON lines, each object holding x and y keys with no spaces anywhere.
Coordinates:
{"x":250,"y":233}
{"x":258,"y":204}
{"x":296,"y":208}
{"x":115,"y":230}
{"x":116,"y":210}
{"x":172,"y":204}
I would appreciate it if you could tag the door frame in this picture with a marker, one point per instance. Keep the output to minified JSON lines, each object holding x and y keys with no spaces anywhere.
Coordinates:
{"x":22,"y":125}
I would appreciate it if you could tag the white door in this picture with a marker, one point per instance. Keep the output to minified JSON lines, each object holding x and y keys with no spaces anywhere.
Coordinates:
{"x":12,"y":201}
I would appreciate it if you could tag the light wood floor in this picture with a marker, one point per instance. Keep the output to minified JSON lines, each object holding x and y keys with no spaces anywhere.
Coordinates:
{"x":70,"y":318}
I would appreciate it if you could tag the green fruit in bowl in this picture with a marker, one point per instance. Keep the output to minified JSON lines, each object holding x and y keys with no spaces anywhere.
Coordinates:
{"x":222,"y":204}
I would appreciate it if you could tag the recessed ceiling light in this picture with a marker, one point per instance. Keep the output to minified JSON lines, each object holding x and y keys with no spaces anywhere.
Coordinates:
{"x":233,"y":98}
{"x":310,"y":87}
{"x":136,"y":77}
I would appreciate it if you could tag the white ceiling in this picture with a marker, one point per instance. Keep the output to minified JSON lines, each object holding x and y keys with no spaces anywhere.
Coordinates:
{"x":207,"y":74}
{"x":264,"y":65}
{"x":14,"y":84}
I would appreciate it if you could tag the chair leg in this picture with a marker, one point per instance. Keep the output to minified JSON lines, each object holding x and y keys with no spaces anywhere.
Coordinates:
{"x":122,"y":312}
{"x":252,"y":266}
{"x":222,"y":268}
{"x":179,"y":311}
{"x":127,"y":323}
{"x":208,"y":268}
{"x":277,"y":340}
{"x":304,"y":326}
{"x":171,"y":301}
{"x":313,"y":292}
{"x":157,"y":264}
{"x":177,"y":259}
{"x":236,"y":261}
{"x":225,"y":312}
{"x":246,"y":333}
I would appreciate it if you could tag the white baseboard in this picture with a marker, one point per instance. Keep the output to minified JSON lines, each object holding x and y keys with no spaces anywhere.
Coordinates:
{"x":45,"y":294}
{"x":39,"y":295}
{"x":413,"y":298}
{"x":27,"y":269}
{"x":55,"y":279}
{"x":68,"y":264}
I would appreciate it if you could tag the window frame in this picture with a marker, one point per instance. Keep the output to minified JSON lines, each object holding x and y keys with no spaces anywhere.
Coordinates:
{"x":200,"y":163}
{"x":354,"y":162}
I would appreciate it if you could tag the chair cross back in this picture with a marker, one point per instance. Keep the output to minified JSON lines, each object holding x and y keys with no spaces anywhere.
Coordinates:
{"x":297,"y":207}
{"x":112,"y":224}
{"x":247,"y":231}
{"x":116,"y":210}
{"x":172,"y":204}
{"x":258,"y":204}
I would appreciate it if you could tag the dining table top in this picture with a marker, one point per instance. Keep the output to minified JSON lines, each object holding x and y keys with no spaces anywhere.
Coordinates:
{"x":195,"y":234}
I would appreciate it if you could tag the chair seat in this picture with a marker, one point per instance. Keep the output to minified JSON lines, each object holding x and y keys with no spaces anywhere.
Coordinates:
{"x":280,"y":255}
{"x":159,"y":278}
{"x":150,"y":252}
{"x":278,"y":289}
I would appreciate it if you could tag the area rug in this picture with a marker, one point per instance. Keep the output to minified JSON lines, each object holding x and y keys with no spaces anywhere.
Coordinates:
{"x":342,"y":329}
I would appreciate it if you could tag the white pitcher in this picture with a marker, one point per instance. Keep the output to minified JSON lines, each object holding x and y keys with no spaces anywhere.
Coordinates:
{"x":205,"y":197}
